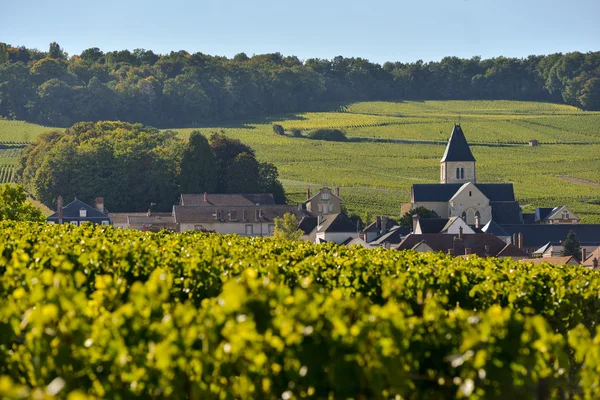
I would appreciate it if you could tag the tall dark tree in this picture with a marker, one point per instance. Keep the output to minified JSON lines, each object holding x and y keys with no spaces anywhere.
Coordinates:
{"x":572,"y":246}
{"x":269,"y":182}
{"x":55,"y":51}
{"x":242,"y":174}
{"x":198,"y":166}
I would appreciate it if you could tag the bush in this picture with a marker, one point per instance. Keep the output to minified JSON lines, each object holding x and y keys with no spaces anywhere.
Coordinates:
{"x":296,"y":133}
{"x":278,"y":129}
{"x":333,"y":135}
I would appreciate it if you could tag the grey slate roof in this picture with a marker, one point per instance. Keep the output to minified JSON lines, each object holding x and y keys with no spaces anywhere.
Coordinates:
{"x":506,"y":212}
{"x":71,"y":213}
{"x":393,"y":237}
{"x":225,"y":200}
{"x":457,"y":148}
{"x":337,"y":223}
{"x":432,"y":225}
{"x":542,"y":212}
{"x":443,"y":192}
{"x":477,"y":242}
{"x":494,"y":229}
{"x":307,"y":223}
{"x":537,"y":235}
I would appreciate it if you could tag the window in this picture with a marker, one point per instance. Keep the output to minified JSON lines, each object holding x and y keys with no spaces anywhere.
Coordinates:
{"x":82,"y":213}
{"x":325,"y":196}
{"x":198,"y":227}
{"x":470,"y":194}
{"x":249,"y":230}
{"x":74,"y":223}
{"x":462,"y":173}
{"x":105,"y":222}
{"x":331,"y":208}
{"x":320,"y":207}
{"x":457,"y":173}
{"x":464,"y":216}
{"x":233,"y":215}
{"x":565,"y":215}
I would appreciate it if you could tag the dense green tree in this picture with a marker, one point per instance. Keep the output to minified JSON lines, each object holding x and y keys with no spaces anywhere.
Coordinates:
{"x":269,"y":182}
{"x":243,"y":174}
{"x":287,"y":227}
{"x":182,"y":88}
{"x":198,"y":166}
{"x":14,"y":205}
{"x":572,"y":246}
{"x":407,"y":219}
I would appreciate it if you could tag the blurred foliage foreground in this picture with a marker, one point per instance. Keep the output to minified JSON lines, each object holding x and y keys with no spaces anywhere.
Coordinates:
{"x":90,"y":312}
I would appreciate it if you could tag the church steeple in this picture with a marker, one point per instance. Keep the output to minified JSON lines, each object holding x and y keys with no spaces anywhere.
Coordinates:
{"x":458,"y":163}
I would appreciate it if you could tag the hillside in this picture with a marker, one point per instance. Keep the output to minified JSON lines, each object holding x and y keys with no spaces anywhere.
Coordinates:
{"x":116,"y":313}
{"x":395,"y":144}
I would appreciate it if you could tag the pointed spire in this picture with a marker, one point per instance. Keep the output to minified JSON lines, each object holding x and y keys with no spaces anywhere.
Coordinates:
{"x":457,"y":148}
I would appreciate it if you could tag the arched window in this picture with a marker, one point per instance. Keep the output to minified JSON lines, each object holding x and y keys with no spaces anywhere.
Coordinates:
{"x":457,"y":173}
{"x":462,"y":173}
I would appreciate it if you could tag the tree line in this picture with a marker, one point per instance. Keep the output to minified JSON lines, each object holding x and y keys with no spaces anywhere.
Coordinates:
{"x":132,"y":166}
{"x":180,"y":88}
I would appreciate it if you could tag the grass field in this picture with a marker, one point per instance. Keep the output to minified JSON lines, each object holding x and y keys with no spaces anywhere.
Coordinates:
{"x":375,"y":176}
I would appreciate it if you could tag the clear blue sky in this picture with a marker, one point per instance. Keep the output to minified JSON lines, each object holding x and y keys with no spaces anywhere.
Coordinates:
{"x":392,"y":30}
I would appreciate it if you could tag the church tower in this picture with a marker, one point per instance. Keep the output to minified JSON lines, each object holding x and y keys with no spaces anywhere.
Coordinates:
{"x":458,"y":163}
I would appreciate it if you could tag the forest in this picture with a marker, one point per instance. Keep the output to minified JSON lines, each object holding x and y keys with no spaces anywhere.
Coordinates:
{"x":183,"y":89}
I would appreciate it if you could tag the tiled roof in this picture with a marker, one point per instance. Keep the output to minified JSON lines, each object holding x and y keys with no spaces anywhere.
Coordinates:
{"x":511,"y":251}
{"x":552,"y":260}
{"x":495,"y":229}
{"x":71,"y":212}
{"x":393,"y":237}
{"x":589,"y":261}
{"x":443,"y":192}
{"x":457,"y":148}
{"x":207,"y":214}
{"x":336,"y":223}
{"x":224,"y":200}
{"x":537,"y":235}
{"x":477,"y":242}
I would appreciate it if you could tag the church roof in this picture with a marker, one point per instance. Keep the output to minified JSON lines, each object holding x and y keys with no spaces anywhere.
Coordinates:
{"x":457,"y":148}
{"x":495,"y":229}
{"x":443,"y":192}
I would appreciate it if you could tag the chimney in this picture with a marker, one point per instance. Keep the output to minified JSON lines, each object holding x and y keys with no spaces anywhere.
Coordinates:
{"x":460,"y":233}
{"x":59,"y":205}
{"x":308,"y":193}
{"x":205,"y":198}
{"x":149,"y":213}
{"x":583,"y":254}
{"x":468,"y":251}
{"x":477,"y":222}
{"x":383,"y":225}
{"x":337,"y":191}
{"x":415,"y":222}
{"x":487,"y":249}
{"x":378,"y":223}
{"x":520,"y":240}
{"x":595,"y":263}
{"x":99,"y":204}
{"x":256,"y":216}
{"x":260,"y":213}
{"x":514,"y":239}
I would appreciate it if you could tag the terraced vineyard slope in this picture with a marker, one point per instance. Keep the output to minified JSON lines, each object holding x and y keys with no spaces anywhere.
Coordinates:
{"x":111,"y":313}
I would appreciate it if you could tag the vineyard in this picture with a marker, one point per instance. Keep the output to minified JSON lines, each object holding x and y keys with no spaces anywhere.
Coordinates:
{"x":396,"y":144}
{"x":6,"y":173}
{"x":103,"y":312}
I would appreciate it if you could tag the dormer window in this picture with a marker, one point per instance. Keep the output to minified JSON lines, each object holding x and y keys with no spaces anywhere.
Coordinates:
{"x":325,"y":196}
{"x":82,"y":213}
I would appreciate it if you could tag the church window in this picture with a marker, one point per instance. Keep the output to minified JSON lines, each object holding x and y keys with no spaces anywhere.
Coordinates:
{"x":470,"y":194}
{"x":462,"y":173}
{"x":457,"y":173}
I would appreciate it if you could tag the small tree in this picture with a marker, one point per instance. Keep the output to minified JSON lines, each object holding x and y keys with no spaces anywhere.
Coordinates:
{"x":278,"y":129}
{"x":287,"y":227}
{"x":571,"y":246}
{"x":14,"y":205}
{"x":407,"y":219}
{"x":296,"y":132}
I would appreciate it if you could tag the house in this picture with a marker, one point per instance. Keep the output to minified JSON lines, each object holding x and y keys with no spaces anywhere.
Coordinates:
{"x":533,"y":143}
{"x":558,"y":260}
{"x":556,"y":215}
{"x":391,"y":238}
{"x":459,"y":195}
{"x":480,"y":244}
{"x":78,"y":212}
{"x":325,"y":202}
{"x":593,"y":259}
{"x":535,"y":236}
{"x":380,"y":226}
{"x":255,"y":220}
{"x":337,"y":228}
{"x":150,"y":220}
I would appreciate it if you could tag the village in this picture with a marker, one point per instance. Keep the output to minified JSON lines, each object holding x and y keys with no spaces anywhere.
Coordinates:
{"x":482,"y":219}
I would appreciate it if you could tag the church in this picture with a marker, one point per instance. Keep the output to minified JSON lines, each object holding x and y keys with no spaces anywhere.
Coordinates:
{"x":459,"y":195}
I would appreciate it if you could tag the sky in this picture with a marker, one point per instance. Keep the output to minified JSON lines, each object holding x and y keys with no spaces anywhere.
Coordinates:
{"x":380,"y":31}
